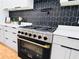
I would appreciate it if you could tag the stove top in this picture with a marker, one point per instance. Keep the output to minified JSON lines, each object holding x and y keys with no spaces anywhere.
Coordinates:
{"x":41,"y":28}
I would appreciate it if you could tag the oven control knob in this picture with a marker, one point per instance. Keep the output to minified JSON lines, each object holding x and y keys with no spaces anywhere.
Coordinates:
{"x":34,"y":35}
{"x":19,"y":32}
{"x":30,"y":34}
{"x":22,"y":32}
{"x":39,"y":37}
{"x":45,"y":38}
{"x":26,"y":33}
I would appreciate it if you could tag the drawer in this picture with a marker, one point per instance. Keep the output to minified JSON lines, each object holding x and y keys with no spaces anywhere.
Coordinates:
{"x":14,"y":45}
{"x":11,"y":35}
{"x":5,"y":27}
{"x":14,"y":40}
{"x":66,"y":41}
{"x":10,"y":29}
{"x":13,"y":29}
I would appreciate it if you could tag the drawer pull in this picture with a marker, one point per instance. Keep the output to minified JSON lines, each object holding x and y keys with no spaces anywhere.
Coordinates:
{"x":69,"y":48}
{"x":6,"y":26}
{"x":6,"y":38}
{"x":18,"y":7}
{"x":6,"y":31}
{"x":13,"y":27}
{"x":14,"y":41}
{"x":73,"y":38}
{"x":14,"y":33}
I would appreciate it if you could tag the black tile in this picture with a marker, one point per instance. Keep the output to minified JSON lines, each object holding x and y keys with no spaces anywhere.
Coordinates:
{"x":57,"y":15}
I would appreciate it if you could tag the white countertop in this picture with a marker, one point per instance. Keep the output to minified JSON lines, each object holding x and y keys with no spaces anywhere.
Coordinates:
{"x":16,"y":25}
{"x":69,"y":31}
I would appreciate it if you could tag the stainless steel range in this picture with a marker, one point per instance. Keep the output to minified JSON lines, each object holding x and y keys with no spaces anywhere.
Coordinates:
{"x":34,"y":42}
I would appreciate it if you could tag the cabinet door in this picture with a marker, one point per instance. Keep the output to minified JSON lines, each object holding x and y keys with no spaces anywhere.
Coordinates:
{"x":14,"y":45}
{"x":59,"y":52}
{"x":10,"y":34}
{"x":74,"y":54}
{"x":63,"y":1}
{"x":1,"y":34}
{"x":9,"y":3}
{"x":11,"y":43}
{"x":24,"y":3}
{"x":7,"y":42}
{"x":18,"y":3}
{"x":11,"y":40}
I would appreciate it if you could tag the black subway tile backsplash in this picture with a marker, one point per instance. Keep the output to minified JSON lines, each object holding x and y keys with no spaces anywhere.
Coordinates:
{"x":49,"y":13}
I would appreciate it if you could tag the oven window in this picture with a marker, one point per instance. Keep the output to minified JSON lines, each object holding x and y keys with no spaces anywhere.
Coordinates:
{"x":32,"y":47}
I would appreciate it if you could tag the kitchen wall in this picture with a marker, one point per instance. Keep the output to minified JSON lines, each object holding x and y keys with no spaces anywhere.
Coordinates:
{"x":49,"y":13}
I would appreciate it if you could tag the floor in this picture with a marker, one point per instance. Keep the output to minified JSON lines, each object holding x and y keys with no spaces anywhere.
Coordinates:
{"x":7,"y":53}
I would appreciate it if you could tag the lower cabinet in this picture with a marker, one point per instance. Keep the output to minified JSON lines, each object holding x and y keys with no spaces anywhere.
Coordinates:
{"x":11,"y":43}
{"x":62,"y":52}
{"x":1,"y":34}
{"x":59,"y":52}
{"x":10,"y":38}
{"x":74,"y":54}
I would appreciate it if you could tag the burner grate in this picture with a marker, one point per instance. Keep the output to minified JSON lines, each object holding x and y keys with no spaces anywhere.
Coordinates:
{"x":41,"y":28}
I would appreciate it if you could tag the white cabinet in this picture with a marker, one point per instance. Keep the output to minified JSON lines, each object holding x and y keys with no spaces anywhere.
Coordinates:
{"x":74,"y":54}
{"x":9,"y":3}
{"x":24,"y":3}
{"x":69,"y":2}
{"x":13,"y":5}
{"x":59,"y":52}
{"x":66,"y":41}
{"x":61,"y":1}
{"x":1,"y":34}
{"x":64,"y":47}
{"x":3,"y":13}
{"x":10,"y":37}
{"x":63,"y":52}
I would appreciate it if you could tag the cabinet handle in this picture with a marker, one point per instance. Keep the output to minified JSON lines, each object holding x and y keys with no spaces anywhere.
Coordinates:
{"x":6,"y":38}
{"x":14,"y":33}
{"x":6,"y":26}
{"x":13,"y":27}
{"x":6,"y":31}
{"x":73,"y":38}
{"x":14,"y":41}
{"x":18,"y":7}
{"x":69,"y":48}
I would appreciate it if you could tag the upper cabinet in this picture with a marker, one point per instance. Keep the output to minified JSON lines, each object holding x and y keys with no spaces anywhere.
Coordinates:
{"x":13,"y":5}
{"x":69,"y":2}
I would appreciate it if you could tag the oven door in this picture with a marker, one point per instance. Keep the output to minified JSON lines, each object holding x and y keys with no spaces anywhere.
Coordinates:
{"x":31,"y":50}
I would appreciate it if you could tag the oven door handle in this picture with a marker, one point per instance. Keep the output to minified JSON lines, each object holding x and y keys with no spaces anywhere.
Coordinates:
{"x":43,"y":46}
